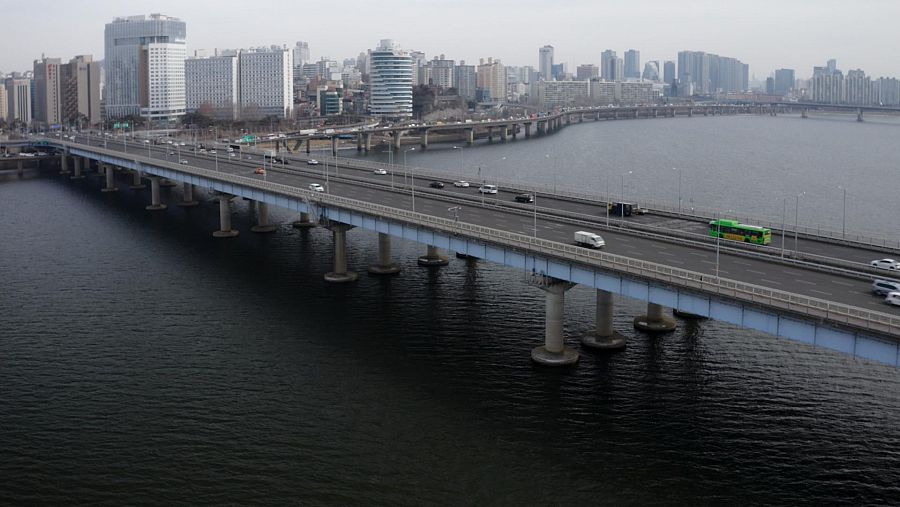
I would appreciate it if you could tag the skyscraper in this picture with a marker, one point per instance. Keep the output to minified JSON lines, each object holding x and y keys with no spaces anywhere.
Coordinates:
{"x":491,"y":79}
{"x":47,"y":91}
{"x":784,"y":81}
{"x":669,"y":71}
{"x":390,"y":92}
{"x":301,"y":53}
{"x":587,"y":71}
{"x":651,"y":71}
{"x":632,"y":64}
{"x":144,"y":64}
{"x":608,"y":65}
{"x":18,"y":94}
{"x":545,"y":62}
{"x":80,"y":80}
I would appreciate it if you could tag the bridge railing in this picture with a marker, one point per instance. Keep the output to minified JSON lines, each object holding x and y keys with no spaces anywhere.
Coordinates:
{"x":741,"y":291}
{"x":692,"y":213}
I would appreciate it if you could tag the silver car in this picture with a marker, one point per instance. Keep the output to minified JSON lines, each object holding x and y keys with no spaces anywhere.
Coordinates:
{"x":885,"y":264}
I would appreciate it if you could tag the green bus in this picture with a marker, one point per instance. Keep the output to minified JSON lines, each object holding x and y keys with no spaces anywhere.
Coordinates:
{"x":735,"y":231}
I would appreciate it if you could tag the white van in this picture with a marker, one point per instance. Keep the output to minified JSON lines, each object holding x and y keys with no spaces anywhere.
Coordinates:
{"x":589,"y":239}
{"x":488,"y":189}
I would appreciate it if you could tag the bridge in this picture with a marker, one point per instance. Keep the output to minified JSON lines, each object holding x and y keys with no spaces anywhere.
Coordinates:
{"x":820,"y":298}
{"x":775,"y":107}
{"x":504,"y":129}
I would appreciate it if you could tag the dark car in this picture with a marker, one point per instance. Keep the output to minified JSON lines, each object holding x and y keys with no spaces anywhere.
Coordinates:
{"x":524,"y":198}
{"x":436,"y":184}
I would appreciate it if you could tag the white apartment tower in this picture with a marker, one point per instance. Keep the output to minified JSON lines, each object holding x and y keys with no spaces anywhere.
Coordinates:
{"x":391,"y":76}
{"x":144,"y":65}
{"x":212,"y":86}
{"x":266,"y":83}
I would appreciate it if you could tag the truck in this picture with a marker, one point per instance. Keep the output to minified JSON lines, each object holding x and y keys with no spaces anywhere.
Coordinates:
{"x":622,"y":209}
{"x":589,"y":239}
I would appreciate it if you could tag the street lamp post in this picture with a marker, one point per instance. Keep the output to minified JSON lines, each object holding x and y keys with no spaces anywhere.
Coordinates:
{"x":623,"y":193}
{"x":679,"y":188}
{"x":460,"y":160}
{"x":412,"y":177}
{"x":844,"y":214}
{"x":797,"y":222}
{"x":783,"y":224}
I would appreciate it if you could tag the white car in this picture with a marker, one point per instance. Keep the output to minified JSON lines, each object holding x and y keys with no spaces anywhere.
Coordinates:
{"x":380,"y":171}
{"x":892,"y":298}
{"x":315,"y":187}
{"x":184,"y":162}
{"x":885,"y":264}
{"x":461,"y":184}
{"x":212,"y":152}
{"x":312,"y":161}
{"x":488,"y":189}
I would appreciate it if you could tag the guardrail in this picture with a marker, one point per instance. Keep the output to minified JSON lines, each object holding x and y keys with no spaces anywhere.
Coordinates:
{"x":698,"y":214}
{"x":797,"y":304}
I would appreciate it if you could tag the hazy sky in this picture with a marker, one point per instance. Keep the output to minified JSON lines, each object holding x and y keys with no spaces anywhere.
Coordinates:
{"x":767,"y":34}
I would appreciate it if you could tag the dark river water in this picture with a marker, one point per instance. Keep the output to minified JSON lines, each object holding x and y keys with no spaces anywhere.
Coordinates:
{"x":144,"y":362}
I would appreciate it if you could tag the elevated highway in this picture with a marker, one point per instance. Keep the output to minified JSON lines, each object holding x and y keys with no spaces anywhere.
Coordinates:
{"x":802,"y":299}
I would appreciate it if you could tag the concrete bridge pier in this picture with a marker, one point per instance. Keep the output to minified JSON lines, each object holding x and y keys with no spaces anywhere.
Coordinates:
{"x":76,"y":163}
{"x":859,"y":115}
{"x":690,"y":112}
{"x":470,"y":137}
{"x":308,"y":141}
{"x":527,"y":130}
{"x":604,"y":337}
{"x":101,"y":171}
{"x":262,"y":219}
{"x":187,"y":197}
{"x":513,"y":131}
{"x":368,"y":143}
{"x":597,"y":118}
{"x":504,"y":133}
{"x":304,"y":222}
{"x":637,"y":113}
{"x":110,"y":181}
{"x":554,"y":351}
{"x":359,"y":142}
{"x":385,"y":265}
{"x":334,"y":142}
{"x":155,"y":203}
{"x":423,"y":140}
{"x":63,"y":164}
{"x":804,"y":113}
{"x":490,"y":134}
{"x":655,"y":113}
{"x":433,"y":258}
{"x":136,"y":183}
{"x":225,"y":230}
{"x":20,"y":168}
{"x":654,"y":321}
{"x":396,"y":143}
{"x":340,"y":273}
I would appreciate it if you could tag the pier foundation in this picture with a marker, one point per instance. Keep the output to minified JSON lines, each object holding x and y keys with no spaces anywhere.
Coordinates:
{"x":604,"y":337}
{"x":340,"y":273}
{"x":654,"y":321}
{"x":433,"y":258}
{"x":385,"y":265}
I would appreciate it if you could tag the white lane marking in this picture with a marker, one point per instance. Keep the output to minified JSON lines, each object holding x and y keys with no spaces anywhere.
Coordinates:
{"x":708,"y":262}
{"x":674,"y":261}
{"x":698,"y":254}
{"x":742,"y":263}
{"x":670,"y":254}
{"x":820,"y":292}
{"x":769,"y":281}
{"x":806,"y":282}
{"x":845,"y":284}
{"x":755,"y":272}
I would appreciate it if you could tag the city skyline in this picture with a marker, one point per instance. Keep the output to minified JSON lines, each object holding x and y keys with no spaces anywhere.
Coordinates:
{"x":700,"y":25}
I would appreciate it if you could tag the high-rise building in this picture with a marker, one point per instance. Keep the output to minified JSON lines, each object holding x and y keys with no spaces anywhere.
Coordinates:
{"x":212,"y":86}
{"x":669,"y":72}
{"x":832,"y":66}
{"x":545,"y":62}
{"x":391,"y":80}
{"x":708,"y":73}
{"x":81,"y":90}
{"x":4,"y":103}
{"x":784,"y":81}
{"x":466,"y":81}
{"x":439,"y":72}
{"x":651,"y":71}
{"x":18,"y":94}
{"x":587,"y":71}
{"x":632,"y":64}
{"x":301,"y":53}
{"x":564,"y":93}
{"x":47,"y":107}
{"x":608,"y":65}
{"x":144,"y":65}
{"x":491,"y":79}
{"x":266,"y":82}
